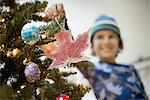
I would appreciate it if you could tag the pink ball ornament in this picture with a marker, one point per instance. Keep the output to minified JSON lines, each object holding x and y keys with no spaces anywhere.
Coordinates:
{"x":32,"y":72}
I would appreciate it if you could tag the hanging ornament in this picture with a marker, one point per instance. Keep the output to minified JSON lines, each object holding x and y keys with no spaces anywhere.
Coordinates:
{"x":32,"y":72}
{"x":30,"y":33}
{"x":63,"y":97}
{"x":65,"y":50}
{"x":41,"y":32}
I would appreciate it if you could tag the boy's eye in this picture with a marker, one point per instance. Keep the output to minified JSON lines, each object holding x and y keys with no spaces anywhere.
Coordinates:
{"x":100,"y":37}
{"x":112,"y":36}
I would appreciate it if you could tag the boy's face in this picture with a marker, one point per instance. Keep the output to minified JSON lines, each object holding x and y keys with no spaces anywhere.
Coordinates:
{"x":105,"y":45}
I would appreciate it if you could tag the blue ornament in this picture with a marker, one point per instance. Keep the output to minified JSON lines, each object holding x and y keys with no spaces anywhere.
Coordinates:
{"x":30,"y":33}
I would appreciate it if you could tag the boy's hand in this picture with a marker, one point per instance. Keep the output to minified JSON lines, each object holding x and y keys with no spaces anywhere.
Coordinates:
{"x":55,"y":11}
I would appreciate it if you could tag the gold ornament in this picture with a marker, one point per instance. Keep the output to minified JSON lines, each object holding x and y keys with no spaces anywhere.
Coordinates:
{"x":15,"y":52}
{"x":9,"y":53}
{"x":2,"y":19}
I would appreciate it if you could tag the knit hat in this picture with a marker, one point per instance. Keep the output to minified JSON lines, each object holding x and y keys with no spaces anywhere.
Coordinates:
{"x":104,"y":23}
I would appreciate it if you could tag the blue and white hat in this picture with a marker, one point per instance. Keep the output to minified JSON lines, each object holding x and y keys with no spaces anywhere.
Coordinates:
{"x":104,"y":23}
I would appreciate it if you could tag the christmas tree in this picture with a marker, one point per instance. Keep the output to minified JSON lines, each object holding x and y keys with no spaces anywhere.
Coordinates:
{"x":24,"y":69}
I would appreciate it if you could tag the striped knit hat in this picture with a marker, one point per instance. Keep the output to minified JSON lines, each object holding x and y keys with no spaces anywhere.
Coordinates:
{"x":104,"y":22}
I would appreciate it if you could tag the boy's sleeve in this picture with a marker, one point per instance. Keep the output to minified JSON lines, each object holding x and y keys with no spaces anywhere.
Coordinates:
{"x":140,"y":85}
{"x":85,"y":68}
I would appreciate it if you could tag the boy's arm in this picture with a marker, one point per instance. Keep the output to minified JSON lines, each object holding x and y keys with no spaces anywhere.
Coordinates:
{"x":139,"y":84}
{"x":86,"y":68}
